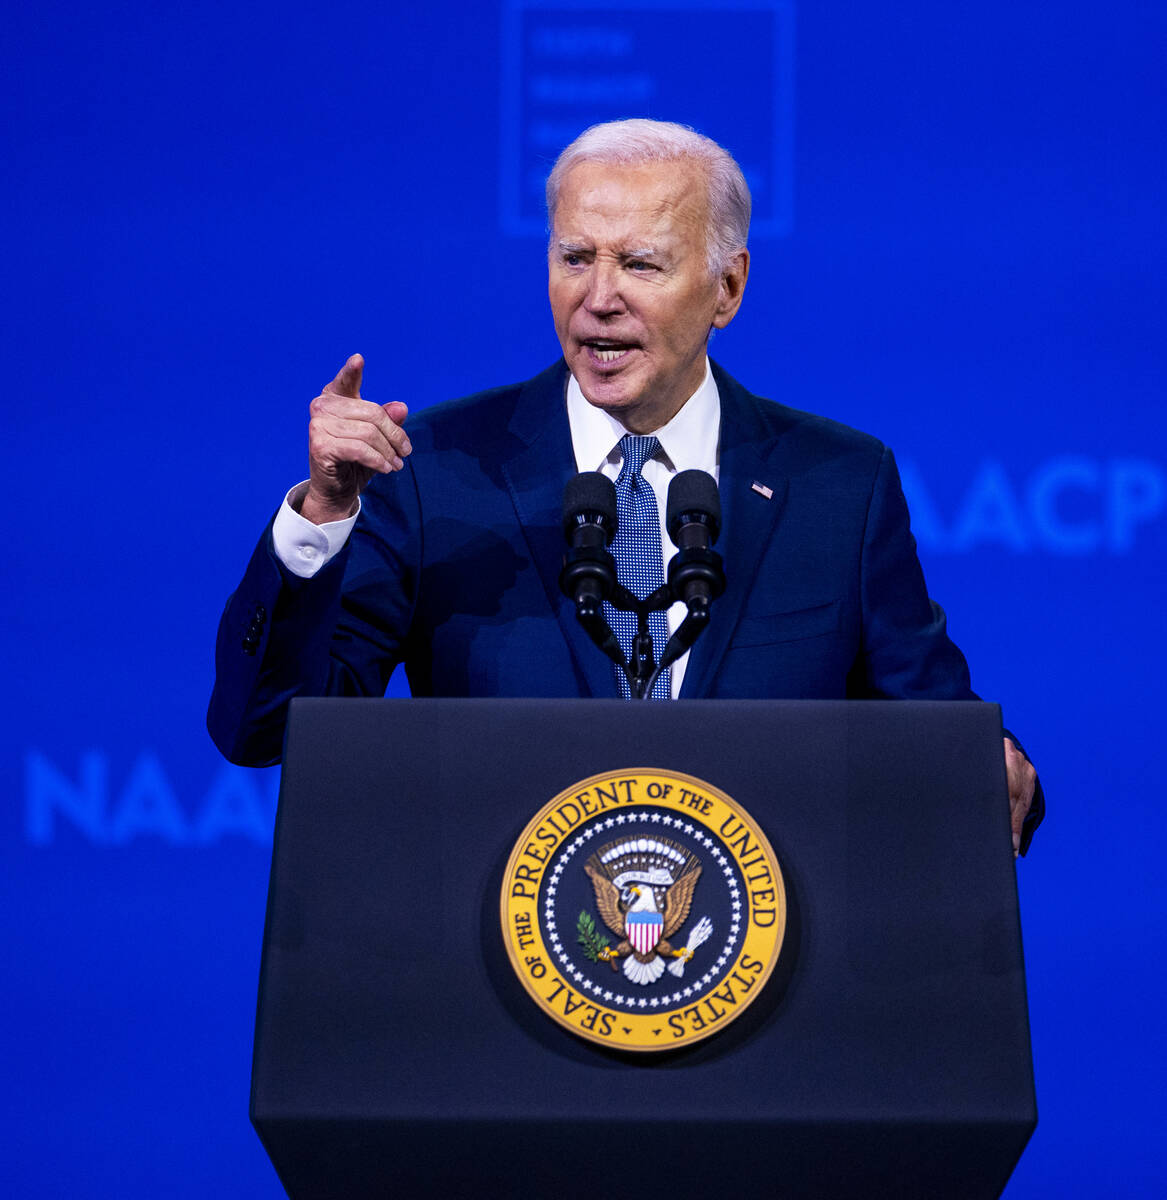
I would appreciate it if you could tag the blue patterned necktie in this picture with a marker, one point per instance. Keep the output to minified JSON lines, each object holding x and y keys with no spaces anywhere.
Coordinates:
{"x":637,"y":551}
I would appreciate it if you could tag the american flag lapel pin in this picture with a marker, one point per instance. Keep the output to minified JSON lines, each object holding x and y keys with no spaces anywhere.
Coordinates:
{"x":762,"y":490}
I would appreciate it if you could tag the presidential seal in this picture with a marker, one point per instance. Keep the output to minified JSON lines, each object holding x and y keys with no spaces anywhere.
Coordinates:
{"x":643,"y":909}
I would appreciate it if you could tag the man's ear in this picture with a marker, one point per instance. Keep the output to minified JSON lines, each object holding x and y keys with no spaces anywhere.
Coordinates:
{"x":731,"y":288}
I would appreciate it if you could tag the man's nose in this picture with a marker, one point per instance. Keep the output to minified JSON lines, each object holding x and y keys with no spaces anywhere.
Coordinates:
{"x":604,"y":295}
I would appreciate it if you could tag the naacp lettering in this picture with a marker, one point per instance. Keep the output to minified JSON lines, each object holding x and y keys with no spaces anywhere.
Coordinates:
{"x":1069,"y":505}
{"x":105,"y":808}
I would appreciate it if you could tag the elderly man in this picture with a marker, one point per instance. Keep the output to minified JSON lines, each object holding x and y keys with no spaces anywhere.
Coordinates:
{"x":441,"y":548}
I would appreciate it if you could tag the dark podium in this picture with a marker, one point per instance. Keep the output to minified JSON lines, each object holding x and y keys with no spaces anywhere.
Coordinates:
{"x":396,"y":1054}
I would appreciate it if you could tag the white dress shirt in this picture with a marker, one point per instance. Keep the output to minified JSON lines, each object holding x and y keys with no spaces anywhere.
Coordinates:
{"x":688,"y":442}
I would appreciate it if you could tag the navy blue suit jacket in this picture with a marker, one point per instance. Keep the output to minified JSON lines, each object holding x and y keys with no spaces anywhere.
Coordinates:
{"x":453,"y":568}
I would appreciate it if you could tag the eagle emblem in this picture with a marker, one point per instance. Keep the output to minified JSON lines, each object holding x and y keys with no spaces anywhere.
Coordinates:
{"x":644,"y":891}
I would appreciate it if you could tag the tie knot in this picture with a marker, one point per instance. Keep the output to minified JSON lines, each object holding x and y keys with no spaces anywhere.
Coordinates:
{"x":637,"y":450}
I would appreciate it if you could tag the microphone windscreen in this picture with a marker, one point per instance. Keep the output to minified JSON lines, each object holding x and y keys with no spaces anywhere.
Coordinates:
{"x":593,"y":493}
{"x":693,"y":492}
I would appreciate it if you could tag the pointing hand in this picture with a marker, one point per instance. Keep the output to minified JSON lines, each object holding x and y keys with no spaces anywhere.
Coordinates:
{"x":349,"y":440}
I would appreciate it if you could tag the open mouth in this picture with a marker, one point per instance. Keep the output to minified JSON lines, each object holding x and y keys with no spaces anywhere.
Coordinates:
{"x":605,"y":351}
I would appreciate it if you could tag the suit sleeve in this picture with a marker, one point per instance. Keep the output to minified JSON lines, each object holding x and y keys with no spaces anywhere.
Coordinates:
{"x":907,"y":653}
{"x":340,"y":633}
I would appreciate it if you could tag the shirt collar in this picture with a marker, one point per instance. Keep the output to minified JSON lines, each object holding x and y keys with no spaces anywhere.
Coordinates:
{"x":689,"y":440}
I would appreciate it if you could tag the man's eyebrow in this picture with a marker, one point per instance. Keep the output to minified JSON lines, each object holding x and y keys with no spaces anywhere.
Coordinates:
{"x":571,"y":247}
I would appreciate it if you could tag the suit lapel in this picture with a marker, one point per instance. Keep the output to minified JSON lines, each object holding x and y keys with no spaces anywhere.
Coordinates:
{"x":536,"y":475}
{"x":544,"y":461}
{"x":748,"y":521}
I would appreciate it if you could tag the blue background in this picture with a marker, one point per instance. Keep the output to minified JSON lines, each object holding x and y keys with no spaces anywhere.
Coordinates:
{"x":960,"y":249}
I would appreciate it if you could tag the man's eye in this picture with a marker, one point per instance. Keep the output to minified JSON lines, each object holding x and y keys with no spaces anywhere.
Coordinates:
{"x":637,"y":265}
{"x":572,"y":260}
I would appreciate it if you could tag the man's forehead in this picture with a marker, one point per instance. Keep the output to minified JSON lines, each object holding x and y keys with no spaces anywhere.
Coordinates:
{"x":641,"y":205}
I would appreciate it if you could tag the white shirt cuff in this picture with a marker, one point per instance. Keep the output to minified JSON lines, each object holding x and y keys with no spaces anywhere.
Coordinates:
{"x":302,"y":547}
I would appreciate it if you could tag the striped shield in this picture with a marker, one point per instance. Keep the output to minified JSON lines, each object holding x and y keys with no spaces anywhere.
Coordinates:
{"x":643,"y":930}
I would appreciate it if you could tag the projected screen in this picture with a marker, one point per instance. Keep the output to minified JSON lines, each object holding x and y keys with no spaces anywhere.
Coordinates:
{"x":958,"y":247}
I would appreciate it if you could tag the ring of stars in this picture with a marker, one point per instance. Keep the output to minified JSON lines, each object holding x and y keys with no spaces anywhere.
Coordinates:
{"x":681,"y":825}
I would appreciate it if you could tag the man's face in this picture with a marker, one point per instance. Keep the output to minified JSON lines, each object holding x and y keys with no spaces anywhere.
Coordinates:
{"x":631,"y":293}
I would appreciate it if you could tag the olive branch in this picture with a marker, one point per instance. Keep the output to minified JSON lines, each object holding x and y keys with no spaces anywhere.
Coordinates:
{"x":590,"y":938}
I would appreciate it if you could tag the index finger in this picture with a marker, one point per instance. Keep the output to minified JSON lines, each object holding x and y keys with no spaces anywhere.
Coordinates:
{"x":347,"y":381}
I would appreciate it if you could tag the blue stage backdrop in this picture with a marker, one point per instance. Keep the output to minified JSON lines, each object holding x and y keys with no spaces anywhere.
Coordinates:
{"x":959,"y":247}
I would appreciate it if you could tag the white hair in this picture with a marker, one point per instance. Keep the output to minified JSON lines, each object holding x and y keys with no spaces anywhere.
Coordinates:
{"x":640,"y":140}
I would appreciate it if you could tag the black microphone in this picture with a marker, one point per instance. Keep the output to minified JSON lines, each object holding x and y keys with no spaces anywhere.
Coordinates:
{"x":588,"y":577}
{"x":693,"y":519}
{"x":589,"y":525}
{"x":693,"y":511}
